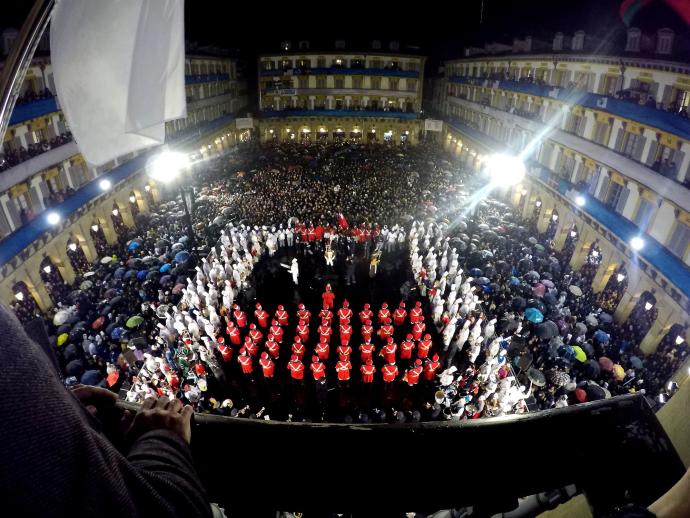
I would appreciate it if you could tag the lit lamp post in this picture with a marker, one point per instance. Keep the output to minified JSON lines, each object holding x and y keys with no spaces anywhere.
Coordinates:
{"x":167,"y":168}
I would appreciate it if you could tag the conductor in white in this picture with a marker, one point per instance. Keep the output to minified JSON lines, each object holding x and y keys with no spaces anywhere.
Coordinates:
{"x":293,"y":269}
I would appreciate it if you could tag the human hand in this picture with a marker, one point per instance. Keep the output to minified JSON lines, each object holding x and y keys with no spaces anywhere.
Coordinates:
{"x":162,"y":414}
{"x":94,"y":398}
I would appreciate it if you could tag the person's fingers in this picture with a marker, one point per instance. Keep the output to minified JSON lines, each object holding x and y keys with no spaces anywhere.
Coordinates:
{"x":187,"y":413}
{"x":148,"y":403}
{"x":176,"y":405}
{"x":163,"y":402}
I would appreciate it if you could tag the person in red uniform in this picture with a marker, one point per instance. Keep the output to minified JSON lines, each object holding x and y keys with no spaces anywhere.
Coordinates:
{"x":344,"y":350}
{"x":384,"y":313}
{"x":400,"y":314}
{"x":424,"y":346}
{"x":303,"y":313}
{"x":368,"y":371}
{"x":296,"y":368}
{"x":389,"y":372}
{"x":342,"y":368}
{"x":240,"y":316}
{"x":345,"y":312}
{"x":318,"y":369}
{"x":430,"y":368}
{"x":199,"y":369}
{"x":261,"y":316}
{"x":245,"y":361}
{"x":367,"y":330}
{"x":276,"y":331}
{"x":298,"y":348}
{"x":225,"y":352}
{"x":406,"y":348}
{"x":251,"y":347}
{"x":345,"y":331}
{"x":413,"y":373}
{"x":388,"y":350}
{"x":366,"y":351}
{"x":281,"y":316}
{"x":327,"y":315}
{"x":417,"y":329}
{"x":233,"y":333}
{"x":416,"y":313}
{"x":323,"y":349}
{"x":267,"y":365}
{"x":272,"y":347}
{"x":386,"y":331}
{"x":328,"y":297}
{"x":325,"y":331}
{"x":255,"y":334}
{"x":366,"y":314}
{"x":303,"y":331}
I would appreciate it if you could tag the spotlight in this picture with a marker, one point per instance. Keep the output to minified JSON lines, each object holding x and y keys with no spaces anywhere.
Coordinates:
{"x":47,"y":268}
{"x":19,"y":296}
{"x":679,"y":340}
{"x":620,"y":277}
{"x":115,"y":212}
{"x":580,"y":200}
{"x":72,"y":246}
{"x":94,"y":228}
{"x":538,"y":203}
{"x":53,"y":218}
{"x":595,"y":253}
{"x":523,"y":192}
{"x":554,"y":217}
{"x":637,"y":243}
{"x":648,"y":306}
{"x":104,"y":185}
{"x":505,"y":170}
{"x":147,"y":188}
{"x":132,"y":199}
{"x":573,"y":233}
{"x":270,"y":131}
{"x":168,"y":165}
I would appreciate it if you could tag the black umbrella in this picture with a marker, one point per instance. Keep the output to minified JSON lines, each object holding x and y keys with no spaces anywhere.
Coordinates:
{"x":591,"y":369}
{"x":536,"y":376}
{"x":64,"y":328}
{"x":75,"y":368}
{"x":587,"y":348}
{"x":594,"y":391}
{"x":536,"y":303}
{"x":546,"y":330}
{"x":558,"y":378}
{"x":549,"y":299}
{"x":518,"y":303}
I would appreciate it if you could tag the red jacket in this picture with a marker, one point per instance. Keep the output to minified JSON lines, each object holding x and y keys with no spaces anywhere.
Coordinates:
{"x":388,"y":352}
{"x":325,"y":331}
{"x":390,"y":372}
{"x":246,"y":363}
{"x":430,"y":370}
{"x":366,"y":351}
{"x":366,"y":332}
{"x":327,"y":298}
{"x":367,"y":373}
{"x":296,"y":370}
{"x":277,"y":333}
{"x":399,"y":316}
{"x":344,"y":350}
{"x":262,"y":317}
{"x":273,"y":348}
{"x":318,"y":369}
{"x":423,"y":349}
{"x":268,"y":367}
{"x":412,"y":376}
{"x":383,"y":315}
{"x":234,"y":334}
{"x":240,"y":318}
{"x":225,"y":352}
{"x":343,"y":370}
{"x":303,"y":332}
{"x":304,"y":314}
{"x":282,"y":317}
{"x":298,"y":349}
{"x":344,"y":313}
{"x":416,"y":315}
{"x":406,"y":349}
{"x":365,"y":314}
{"x":418,"y":329}
{"x":251,"y":348}
{"x":345,"y":334}
{"x":322,"y":350}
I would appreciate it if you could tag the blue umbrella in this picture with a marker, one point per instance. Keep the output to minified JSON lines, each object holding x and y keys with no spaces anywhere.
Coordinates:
{"x":130,"y":274}
{"x":133,"y":245}
{"x":166,"y":279}
{"x":486,"y":288}
{"x":566,"y":352}
{"x":183,"y":239}
{"x":116,"y":333}
{"x":182,"y":256}
{"x":483,"y":280}
{"x":165,"y":268}
{"x":601,"y":336}
{"x":534,"y":315}
{"x":476,"y":272}
{"x":142,"y":275}
{"x":91,"y":377}
{"x":119,"y":273}
{"x":635,"y":362}
{"x":514,"y":281}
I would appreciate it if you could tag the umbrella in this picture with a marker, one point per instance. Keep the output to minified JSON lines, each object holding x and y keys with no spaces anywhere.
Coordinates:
{"x":532,"y":240}
{"x":85,"y":285}
{"x":91,"y":377}
{"x":166,"y":279}
{"x":546,"y":282}
{"x":227,"y":212}
{"x":591,"y":320}
{"x":89,"y":274}
{"x":575,"y":290}
{"x":588,"y":349}
{"x":133,"y":245}
{"x":594,"y":391}
{"x":534,"y":315}
{"x":635,"y":362}
{"x":134,"y":321}
{"x":165,"y":268}
{"x":113,"y":377}
{"x":130,"y":274}
{"x":149,"y":259}
{"x":539,"y":248}
{"x":483,"y":280}
{"x":219,"y":220}
{"x":538,"y":290}
{"x":162,"y":311}
{"x":591,"y":369}
{"x":524,"y":362}
{"x":606,"y":363}
{"x":580,"y":355}
{"x":606,"y":318}
{"x":580,"y":395}
{"x":566,"y":352}
{"x":177,"y":247}
{"x":177,"y":289}
{"x":546,"y":330}
{"x":162,"y":243}
{"x":476,"y":272}
{"x":536,"y":376}
{"x":106,"y":260}
{"x":119,"y":273}
{"x":116,"y":333}
{"x":601,"y":336}
{"x":532,"y":274}
{"x":109,"y":293}
{"x":61,"y":317}
{"x":580,"y":329}
{"x":98,"y":323}
{"x":550,"y":299}
{"x":182,"y":256}
{"x":618,"y":372}
{"x":61,"y":339}
{"x":558,"y":378}
{"x":514,"y":281}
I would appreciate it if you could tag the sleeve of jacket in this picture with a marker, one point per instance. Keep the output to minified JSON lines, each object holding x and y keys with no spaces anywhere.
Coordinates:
{"x":56,"y":464}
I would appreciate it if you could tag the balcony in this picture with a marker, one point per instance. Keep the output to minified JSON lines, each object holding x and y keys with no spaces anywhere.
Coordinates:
{"x":339,"y":91}
{"x":654,"y":253}
{"x":195,"y":104}
{"x":337,"y":71}
{"x":25,"y":170}
{"x":205,"y":78}
{"x":269,"y":114}
{"x":33,"y":110}
{"x":669,"y":122}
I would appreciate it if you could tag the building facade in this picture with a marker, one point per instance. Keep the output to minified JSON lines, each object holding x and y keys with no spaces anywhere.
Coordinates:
{"x":370,"y":96}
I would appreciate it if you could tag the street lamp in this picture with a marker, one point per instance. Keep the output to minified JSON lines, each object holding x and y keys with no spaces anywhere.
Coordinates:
{"x":505,"y":170}
{"x":620,"y":277}
{"x":94,"y":227}
{"x":679,"y":340}
{"x":47,"y":268}
{"x":637,"y":243}
{"x":648,"y":305}
{"x":167,"y":168}
{"x":19,"y":296}
{"x":53,"y":218}
{"x":72,"y":246}
{"x":104,"y":184}
{"x":580,"y":200}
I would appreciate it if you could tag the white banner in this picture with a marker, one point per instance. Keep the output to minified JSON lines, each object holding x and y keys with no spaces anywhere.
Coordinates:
{"x":433,"y":125}
{"x":243,"y":123}
{"x":119,"y":72}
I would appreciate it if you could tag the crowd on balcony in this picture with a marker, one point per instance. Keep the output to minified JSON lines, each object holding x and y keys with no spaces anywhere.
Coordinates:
{"x":30,"y":96}
{"x":357,"y":108}
{"x":483,"y":318}
{"x":12,"y":157}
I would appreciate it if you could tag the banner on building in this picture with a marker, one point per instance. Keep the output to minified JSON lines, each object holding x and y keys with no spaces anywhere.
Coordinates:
{"x":244,"y":123}
{"x":433,"y":125}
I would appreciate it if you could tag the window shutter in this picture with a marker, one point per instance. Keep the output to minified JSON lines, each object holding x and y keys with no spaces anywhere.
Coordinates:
{"x":639,"y":147}
{"x":619,"y":140}
{"x":651,"y":157}
{"x":601,"y":195}
{"x":620,"y":206}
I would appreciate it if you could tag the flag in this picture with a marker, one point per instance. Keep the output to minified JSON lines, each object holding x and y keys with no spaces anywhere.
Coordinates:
{"x":342,"y":222}
{"x":119,"y":72}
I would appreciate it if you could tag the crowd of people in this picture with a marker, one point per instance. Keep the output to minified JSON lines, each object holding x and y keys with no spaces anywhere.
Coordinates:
{"x":11,"y":157}
{"x":344,"y":282}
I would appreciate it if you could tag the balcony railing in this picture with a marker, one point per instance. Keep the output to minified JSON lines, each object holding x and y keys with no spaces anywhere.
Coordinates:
{"x":33,"y":110}
{"x":205,"y":78}
{"x":337,"y":71}
{"x":338,"y":113}
{"x":670,"y":122}
{"x":654,"y":253}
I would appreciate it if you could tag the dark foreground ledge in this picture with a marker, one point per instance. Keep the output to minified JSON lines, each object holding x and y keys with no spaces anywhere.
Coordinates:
{"x":608,"y":449}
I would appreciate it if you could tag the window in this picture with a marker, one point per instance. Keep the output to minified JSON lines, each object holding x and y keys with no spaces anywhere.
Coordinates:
{"x":321,"y":62}
{"x":411,"y":85}
{"x":356,"y":82}
{"x":601,"y":135}
{"x":376,"y":63}
{"x":304,"y":82}
{"x":393,"y":83}
{"x":376,"y":83}
{"x":613,"y":195}
{"x":678,"y":244}
{"x":412,"y":66}
{"x":320,"y":82}
{"x":644,"y":213}
{"x":629,"y":144}
{"x":339,"y":83}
